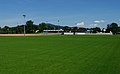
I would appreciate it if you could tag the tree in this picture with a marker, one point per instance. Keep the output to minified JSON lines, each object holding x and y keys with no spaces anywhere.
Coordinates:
{"x":19,"y":29}
{"x":6,"y":29}
{"x":81,"y":29}
{"x":66,"y":28}
{"x":118,"y":30}
{"x":113,"y":28}
{"x":75,"y":28}
{"x":43,"y":26}
{"x":29,"y":25}
{"x":96,"y":29}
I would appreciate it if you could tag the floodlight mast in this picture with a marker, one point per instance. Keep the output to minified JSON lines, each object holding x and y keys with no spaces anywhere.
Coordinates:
{"x":24,"y":24}
{"x":58,"y":26}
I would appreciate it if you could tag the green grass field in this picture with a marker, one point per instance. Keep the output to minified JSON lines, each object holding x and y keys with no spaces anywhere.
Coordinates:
{"x":60,"y":55}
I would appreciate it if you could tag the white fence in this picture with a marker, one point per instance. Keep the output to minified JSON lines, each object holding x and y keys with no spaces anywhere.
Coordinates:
{"x":71,"y":33}
{"x":68,"y":33}
{"x":80,"y":33}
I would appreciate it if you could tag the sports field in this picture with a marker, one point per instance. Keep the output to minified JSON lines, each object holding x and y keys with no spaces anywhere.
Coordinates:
{"x":60,"y":55}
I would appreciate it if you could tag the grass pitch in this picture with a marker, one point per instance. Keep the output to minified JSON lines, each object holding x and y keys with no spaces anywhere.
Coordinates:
{"x":60,"y":55}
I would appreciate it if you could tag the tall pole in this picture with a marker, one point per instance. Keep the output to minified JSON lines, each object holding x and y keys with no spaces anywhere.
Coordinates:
{"x":24,"y":24}
{"x":58,"y":22}
{"x":58,"y":26}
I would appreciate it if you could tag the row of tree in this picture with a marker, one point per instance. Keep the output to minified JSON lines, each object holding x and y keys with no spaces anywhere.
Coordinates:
{"x":114,"y":28}
{"x":30,"y":27}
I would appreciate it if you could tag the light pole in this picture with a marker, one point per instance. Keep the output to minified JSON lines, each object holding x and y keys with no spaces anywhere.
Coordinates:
{"x":58,"y":26}
{"x":24,"y":24}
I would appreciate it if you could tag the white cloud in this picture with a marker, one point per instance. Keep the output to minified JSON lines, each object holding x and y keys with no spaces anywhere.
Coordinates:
{"x":102,"y":20}
{"x":99,"y":21}
{"x":94,"y":25}
{"x":81,"y":24}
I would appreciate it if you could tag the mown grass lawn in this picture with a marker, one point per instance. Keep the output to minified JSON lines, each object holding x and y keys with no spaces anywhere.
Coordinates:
{"x":60,"y":55}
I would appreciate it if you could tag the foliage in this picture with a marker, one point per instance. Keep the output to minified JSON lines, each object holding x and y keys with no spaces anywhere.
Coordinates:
{"x":113,"y":27}
{"x":81,"y":29}
{"x":96,"y":29}
{"x":29,"y":26}
{"x":43,"y":26}
{"x":29,"y":23}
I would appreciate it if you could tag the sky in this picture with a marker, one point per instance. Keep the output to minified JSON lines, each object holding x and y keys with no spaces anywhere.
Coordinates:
{"x":81,"y":13}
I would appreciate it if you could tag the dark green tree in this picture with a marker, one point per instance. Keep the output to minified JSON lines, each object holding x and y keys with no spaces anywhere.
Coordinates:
{"x":118,"y":30}
{"x":75,"y":28}
{"x":6,"y":29}
{"x":29,"y":26}
{"x":81,"y":29}
{"x":96,"y":29}
{"x":113,"y":28}
{"x":42,"y":27}
{"x":29,"y":23}
{"x":19,"y":29}
{"x":66,"y":28}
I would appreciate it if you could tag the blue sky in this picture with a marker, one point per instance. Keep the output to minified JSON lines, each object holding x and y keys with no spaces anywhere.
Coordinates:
{"x":86,"y":13}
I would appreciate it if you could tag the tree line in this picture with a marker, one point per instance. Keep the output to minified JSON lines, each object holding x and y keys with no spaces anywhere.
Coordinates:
{"x":30,"y":27}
